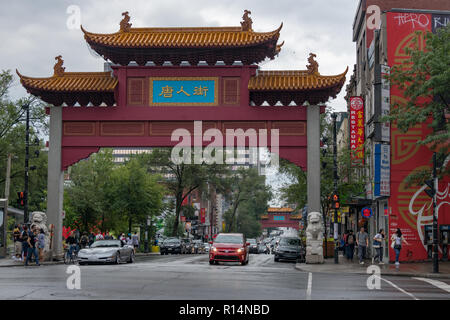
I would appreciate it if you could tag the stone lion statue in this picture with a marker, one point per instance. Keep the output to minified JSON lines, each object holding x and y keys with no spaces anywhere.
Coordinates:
{"x":314,"y":231}
{"x":39,"y":221}
{"x":314,"y":238}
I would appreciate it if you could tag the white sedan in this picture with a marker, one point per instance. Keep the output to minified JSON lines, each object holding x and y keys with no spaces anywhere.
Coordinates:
{"x":106,"y":251}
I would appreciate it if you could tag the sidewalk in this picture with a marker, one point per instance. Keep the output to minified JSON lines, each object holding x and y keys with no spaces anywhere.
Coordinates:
{"x":8,"y":262}
{"x":413,"y":269}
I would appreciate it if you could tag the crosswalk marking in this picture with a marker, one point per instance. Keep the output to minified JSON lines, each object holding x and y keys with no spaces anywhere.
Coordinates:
{"x":309,"y":289}
{"x":436,"y":283}
{"x":400,"y":289}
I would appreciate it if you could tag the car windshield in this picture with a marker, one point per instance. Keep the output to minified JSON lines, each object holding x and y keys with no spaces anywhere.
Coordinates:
{"x":172,"y":241}
{"x":106,"y":244}
{"x":252,"y":241}
{"x":227,"y":238}
{"x":290,"y":242}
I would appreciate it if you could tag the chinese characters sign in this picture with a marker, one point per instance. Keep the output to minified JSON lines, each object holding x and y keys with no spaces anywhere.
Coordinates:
{"x":183,"y":91}
{"x":357,"y":130}
{"x":382,"y":167}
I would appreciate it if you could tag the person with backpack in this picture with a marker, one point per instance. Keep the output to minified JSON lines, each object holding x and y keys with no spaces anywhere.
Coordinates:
{"x":397,"y":241}
{"x":32,"y":250}
{"x":378,"y":246}
{"x":84,"y":241}
{"x":350,"y":243}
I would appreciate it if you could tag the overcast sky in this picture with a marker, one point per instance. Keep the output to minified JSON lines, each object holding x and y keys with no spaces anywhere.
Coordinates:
{"x":32,"y":33}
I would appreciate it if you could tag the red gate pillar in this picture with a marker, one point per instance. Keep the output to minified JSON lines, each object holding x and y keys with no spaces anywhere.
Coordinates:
{"x":313,"y":149}
{"x":55,"y":182}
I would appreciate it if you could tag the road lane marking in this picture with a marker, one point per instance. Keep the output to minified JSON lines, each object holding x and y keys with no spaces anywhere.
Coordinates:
{"x":436,"y":283}
{"x":309,"y":289}
{"x":400,"y":289}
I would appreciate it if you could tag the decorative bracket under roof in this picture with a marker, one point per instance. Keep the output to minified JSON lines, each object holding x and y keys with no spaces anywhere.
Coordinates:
{"x":125,"y":24}
{"x":278,"y":48}
{"x":246,"y":25}
{"x":313,"y":66}
{"x":58,"y":69}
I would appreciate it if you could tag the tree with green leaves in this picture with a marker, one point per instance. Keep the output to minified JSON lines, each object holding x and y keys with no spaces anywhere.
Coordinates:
{"x":12,"y":141}
{"x":181,"y":179}
{"x":425,"y":81}
{"x":249,"y":196}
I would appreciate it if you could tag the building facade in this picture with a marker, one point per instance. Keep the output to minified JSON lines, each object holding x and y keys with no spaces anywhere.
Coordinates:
{"x":382,"y":30}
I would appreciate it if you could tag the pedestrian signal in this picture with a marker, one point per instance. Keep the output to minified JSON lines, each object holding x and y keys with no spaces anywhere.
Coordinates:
{"x":20,"y":198}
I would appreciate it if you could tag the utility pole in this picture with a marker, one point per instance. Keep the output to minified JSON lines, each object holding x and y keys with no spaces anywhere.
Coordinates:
{"x":27,"y":157}
{"x":335,"y":226}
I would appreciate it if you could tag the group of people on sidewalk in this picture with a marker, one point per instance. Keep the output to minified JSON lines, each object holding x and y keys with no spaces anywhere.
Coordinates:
{"x":28,"y":244}
{"x":361,"y":241}
{"x":74,"y":242}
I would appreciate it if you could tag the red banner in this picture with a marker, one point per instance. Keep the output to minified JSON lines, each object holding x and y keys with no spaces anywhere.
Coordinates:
{"x":411,"y":206}
{"x":202,"y":215}
{"x":357,"y":130}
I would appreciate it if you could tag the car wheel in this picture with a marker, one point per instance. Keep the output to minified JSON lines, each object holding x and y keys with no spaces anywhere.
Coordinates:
{"x":131,"y":258}
{"x":276,"y":259}
{"x":117,"y":260}
{"x":211,"y":262}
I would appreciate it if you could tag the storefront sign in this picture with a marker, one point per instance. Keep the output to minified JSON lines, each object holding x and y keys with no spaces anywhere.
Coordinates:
{"x":366,"y":212}
{"x":202,"y":215}
{"x":382,"y":168}
{"x":167,"y":91}
{"x":357,"y":130}
{"x":385,"y":103}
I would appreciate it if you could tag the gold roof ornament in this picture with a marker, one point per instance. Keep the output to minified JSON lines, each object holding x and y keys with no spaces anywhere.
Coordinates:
{"x":125,"y":24}
{"x":313,"y":66}
{"x":246,"y":25}
{"x":278,"y":48}
{"x":58,"y":69}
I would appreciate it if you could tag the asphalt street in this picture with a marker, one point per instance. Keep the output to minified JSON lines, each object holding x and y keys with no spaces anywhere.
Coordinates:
{"x":190,"y":277}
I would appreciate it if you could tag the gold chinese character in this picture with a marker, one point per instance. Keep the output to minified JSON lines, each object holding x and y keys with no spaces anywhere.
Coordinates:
{"x":360,"y":123}
{"x":182,"y":90}
{"x":200,"y":91}
{"x":360,"y":132}
{"x":166,"y":92}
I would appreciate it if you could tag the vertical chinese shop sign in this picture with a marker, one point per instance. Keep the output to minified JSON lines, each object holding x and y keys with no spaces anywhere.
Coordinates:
{"x":202,"y":215}
{"x":357,"y":130}
{"x":411,"y":207}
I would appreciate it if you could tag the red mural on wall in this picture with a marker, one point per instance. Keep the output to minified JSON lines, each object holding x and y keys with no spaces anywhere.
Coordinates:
{"x":411,"y":207}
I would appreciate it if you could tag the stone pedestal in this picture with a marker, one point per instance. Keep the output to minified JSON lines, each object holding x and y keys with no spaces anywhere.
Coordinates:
{"x":314,"y":259}
{"x":314,"y":251}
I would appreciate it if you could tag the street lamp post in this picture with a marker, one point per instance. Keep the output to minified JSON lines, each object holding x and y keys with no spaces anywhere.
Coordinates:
{"x":435,"y":222}
{"x":335,"y":229}
{"x":27,"y":157}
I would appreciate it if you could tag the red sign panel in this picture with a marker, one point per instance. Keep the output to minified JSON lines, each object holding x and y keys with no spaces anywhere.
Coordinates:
{"x":357,"y":130}
{"x":202,"y":215}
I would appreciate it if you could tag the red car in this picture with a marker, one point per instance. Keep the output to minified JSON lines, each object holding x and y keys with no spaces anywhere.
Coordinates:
{"x":229,"y":247}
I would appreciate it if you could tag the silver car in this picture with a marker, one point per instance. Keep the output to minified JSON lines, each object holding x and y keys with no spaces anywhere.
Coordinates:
{"x":106,"y":251}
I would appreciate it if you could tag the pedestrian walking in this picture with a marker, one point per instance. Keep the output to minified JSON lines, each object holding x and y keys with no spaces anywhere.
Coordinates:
{"x":41,"y":244}
{"x":24,"y":238}
{"x":99,"y":236}
{"x":362,"y":241}
{"x":91,"y":238}
{"x":397,"y":242}
{"x":84,"y":241}
{"x":32,"y":250}
{"x":378,"y":246}
{"x":135,"y":241}
{"x":350,"y":242}
{"x":17,"y":242}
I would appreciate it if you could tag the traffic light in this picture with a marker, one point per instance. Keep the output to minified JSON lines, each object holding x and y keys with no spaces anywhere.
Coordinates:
{"x":430,"y":192}
{"x":335,"y":201}
{"x":20,"y":198}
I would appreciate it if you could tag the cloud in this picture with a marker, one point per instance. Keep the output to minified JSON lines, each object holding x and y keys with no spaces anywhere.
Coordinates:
{"x":34,"y":32}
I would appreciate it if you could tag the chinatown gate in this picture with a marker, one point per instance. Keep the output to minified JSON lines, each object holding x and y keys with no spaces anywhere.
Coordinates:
{"x":175,"y":81}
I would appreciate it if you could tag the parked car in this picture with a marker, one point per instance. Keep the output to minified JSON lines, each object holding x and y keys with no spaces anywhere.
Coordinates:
{"x":106,"y":251}
{"x":171,"y":245}
{"x":199,"y":247}
{"x":188,"y":245}
{"x":253,"y":246}
{"x":290,"y":248}
{"x":229,"y":247}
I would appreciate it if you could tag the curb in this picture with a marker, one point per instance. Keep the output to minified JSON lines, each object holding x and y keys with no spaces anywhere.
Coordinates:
{"x":47,"y":263}
{"x":400,"y":274}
